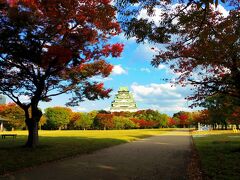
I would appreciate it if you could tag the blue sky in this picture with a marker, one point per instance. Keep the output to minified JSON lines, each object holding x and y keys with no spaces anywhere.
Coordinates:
{"x":133,"y":69}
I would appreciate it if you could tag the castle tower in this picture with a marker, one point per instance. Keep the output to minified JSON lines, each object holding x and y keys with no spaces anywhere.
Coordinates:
{"x":123,"y":101}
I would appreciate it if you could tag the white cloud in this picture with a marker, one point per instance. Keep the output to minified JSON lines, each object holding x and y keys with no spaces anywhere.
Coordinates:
{"x":101,"y":79}
{"x":162,"y":66}
{"x":24,"y":99}
{"x":145,"y":52}
{"x":118,"y":70}
{"x":163,"y":90}
{"x":107,"y":109}
{"x":221,"y":9}
{"x":145,"y":70}
{"x":156,"y":17}
{"x":172,"y":109}
{"x":82,"y":109}
{"x":79,"y":109}
{"x":164,"y":97}
{"x":123,"y":39}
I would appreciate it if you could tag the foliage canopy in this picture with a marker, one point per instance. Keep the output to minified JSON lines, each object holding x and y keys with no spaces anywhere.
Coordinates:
{"x":201,"y":44}
{"x":48,"y":48}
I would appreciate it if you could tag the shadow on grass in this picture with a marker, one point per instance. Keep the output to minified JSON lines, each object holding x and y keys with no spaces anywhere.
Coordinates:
{"x":14,"y":156}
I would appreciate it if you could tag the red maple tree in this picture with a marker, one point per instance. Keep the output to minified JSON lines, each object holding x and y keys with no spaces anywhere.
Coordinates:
{"x":48,"y":48}
{"x":104,"y":121}
{"x":171,"y":122}
{"x":142,"y":123}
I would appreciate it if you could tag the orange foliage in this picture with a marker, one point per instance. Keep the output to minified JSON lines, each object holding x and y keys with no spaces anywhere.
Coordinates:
{"x":104,"y":121}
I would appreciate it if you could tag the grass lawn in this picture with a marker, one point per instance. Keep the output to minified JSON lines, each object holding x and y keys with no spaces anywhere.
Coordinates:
{"x":56,"y":145}
{"x":219,"y":153}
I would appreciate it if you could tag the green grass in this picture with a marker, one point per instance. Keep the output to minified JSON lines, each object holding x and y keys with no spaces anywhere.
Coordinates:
{"x":56,"y":145}
{"x":219,"y":154}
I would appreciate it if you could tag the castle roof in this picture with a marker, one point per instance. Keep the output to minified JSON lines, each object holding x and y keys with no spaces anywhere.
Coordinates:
{"x":123,"y":101}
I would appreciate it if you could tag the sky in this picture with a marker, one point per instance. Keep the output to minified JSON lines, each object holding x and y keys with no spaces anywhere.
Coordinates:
{"x":133,"y":70}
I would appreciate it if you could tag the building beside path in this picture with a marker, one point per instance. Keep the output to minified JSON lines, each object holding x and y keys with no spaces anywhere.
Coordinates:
{"x":2,"y":99}
{"x":123,"y":101}
{"x":2,"y":120}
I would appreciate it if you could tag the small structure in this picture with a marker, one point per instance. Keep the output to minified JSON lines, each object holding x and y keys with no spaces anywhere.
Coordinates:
{"x":2,"y":99}
{"x":2,"y":120}
{"x":202,"y":127}
{"x":123,"y":101}
{"x":9,"y":135}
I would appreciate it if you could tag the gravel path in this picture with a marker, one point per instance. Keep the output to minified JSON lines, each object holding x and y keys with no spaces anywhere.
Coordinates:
{"x":160,"y":157}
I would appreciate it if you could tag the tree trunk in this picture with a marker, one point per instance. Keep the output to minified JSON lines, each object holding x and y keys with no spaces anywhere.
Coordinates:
{"x":32,"y":125}
{"x":32,"y":140}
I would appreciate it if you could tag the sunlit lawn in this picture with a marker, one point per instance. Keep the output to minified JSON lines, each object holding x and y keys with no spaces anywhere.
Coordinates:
{"x":56,"y":145}
{"x":219,"y":153}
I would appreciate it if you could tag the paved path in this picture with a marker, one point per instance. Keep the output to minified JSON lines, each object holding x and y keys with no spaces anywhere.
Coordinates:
{"x":159,"y":157}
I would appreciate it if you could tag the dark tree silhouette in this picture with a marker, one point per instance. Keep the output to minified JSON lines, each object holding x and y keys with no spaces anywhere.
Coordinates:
{"x":202,"y":45}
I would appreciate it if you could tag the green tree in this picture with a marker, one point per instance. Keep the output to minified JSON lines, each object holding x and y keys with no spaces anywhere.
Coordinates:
{"x":82,"y":120}
{"x":57,"y":117}
{"x":121,"y":122}
{"x":220,"y":108}
{"x":43,"y":121}
{"x":152,"y":115}
{"x":147,"y":114}
{"x":129,"y":124}
{"x":234,"y":118}
{"x":92,"y":114}
{"x":163,"y":120}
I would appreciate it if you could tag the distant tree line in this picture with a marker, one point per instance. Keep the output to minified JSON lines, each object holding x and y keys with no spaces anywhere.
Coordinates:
{"x":56,"y":118}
